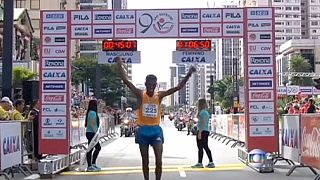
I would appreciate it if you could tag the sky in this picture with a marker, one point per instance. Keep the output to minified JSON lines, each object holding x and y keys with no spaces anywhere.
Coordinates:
{"x":156,"y":54}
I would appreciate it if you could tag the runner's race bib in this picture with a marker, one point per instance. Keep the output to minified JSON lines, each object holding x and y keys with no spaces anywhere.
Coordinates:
{"x":150,"y":110}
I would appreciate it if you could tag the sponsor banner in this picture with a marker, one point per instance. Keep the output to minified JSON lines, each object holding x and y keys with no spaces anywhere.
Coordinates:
{"x":54,"y":122}
{"x":81,"y":17}
{"x":54,"y":51}
{"x":315,"y":90}
{"x":261,"y":131}
{"x":260,"y":36}
{"x":102,"y":31}
{"x":263,"y":95}
{"x":189,"y":16}
{"x":81,"y":31}
{"x":258,"y":119}
{"x":260,"y":83}
{"x":259,"y":25}
{"x":211,"y":15}
{"x":306,"y":90}
{"x":55,"y":110}
{"x":10,"y":147}
{"x":157,"y":23}
{"x":54,"y":98}
{"x":54,"y":133}
{"x":260,"y":71}
{"x":310,"y":140}
{"x":193,"y":57}
{"x":260,"y":60}
{"x":54,"y":16}
{"x":124,"y":17}
{"x":102,"y":17}
{"x":233,"y":15}
{"x":282,"y":90}
{"x":291,"y":137}
{"x":259,"y":13}
{"x":54,"y":86}
{"x":260,"y":48}
{"x":108,"y":57}
{"x":293,"y":90}
{"x":54,"y":63}
{"x":261,"y":107}
{"x":125,"y":31}
{"x":211,"y":30}
{"x":54,"y":28}
{"x":54,"y":40}
{"x":52,"y":74}
{"x":189,"y":30}
{"x":232,"y":29}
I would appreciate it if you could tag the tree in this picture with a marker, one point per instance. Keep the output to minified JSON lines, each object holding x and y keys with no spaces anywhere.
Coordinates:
{"x":300,"y":64}
{"x":224,"y":92}
{"x":21,"y":74}
{"x":112,"y":87}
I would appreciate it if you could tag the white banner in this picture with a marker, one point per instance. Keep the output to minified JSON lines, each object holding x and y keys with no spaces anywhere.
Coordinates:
{"x":193,"y":57}
{"x":108,"y":57}
{"x":291,"y":137}
{"x":10,"y":147}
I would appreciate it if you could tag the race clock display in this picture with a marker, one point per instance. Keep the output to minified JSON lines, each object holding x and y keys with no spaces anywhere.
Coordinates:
{"x":193,"y":45}
{"x":119,"y":45}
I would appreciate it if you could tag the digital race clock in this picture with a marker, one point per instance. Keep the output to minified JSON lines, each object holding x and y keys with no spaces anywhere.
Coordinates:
{"x":193,"y":45}
{"x":119,"y":45}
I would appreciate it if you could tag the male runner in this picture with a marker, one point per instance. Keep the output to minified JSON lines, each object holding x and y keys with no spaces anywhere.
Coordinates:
{"x":149,"y":132}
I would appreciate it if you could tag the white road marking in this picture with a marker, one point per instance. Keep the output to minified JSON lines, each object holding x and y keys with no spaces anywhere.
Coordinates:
{"x":182,"y":172}
{"x":33,"y":176}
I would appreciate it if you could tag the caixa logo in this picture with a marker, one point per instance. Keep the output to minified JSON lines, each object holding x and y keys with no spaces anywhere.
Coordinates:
{"x":10,"y":144}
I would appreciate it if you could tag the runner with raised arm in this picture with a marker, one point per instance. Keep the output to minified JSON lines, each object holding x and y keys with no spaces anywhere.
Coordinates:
{"x":149,"y":131}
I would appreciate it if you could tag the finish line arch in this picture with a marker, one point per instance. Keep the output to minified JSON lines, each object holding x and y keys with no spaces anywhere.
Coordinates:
{"x":254,"y":25}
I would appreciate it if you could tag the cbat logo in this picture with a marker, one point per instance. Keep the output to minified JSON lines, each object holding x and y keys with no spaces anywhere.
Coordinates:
{"x":103,"y":17}
{"x":81,"y":17}
{"x":252,"y":37}
{"x":189,"y":15}
{"x":47,"y":39}
{"x":161,"y":23}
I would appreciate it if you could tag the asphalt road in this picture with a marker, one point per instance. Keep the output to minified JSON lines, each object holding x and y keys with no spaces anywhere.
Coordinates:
{"x":120,"y":160}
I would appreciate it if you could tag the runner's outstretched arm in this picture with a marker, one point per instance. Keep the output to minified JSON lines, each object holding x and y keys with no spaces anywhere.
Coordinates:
{"x":181,"y":84}
{"x":125,"y":80}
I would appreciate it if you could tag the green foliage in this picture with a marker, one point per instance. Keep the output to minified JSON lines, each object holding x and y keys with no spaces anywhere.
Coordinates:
{"x":112,"y":87}
{"x":21,"y":74}
{"x":300,"y":64}
{"x":224,"y":92}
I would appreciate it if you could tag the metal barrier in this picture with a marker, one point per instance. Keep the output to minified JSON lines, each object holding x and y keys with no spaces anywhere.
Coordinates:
{"x":56,"y":163}
{"x":230,"y":128}
{"x":301,"y":142}
{"x":16,"y":145}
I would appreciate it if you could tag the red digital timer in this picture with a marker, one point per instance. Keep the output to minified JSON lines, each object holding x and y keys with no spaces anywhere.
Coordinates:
{"x":193,"y":45}
{"x":119,"y":45}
